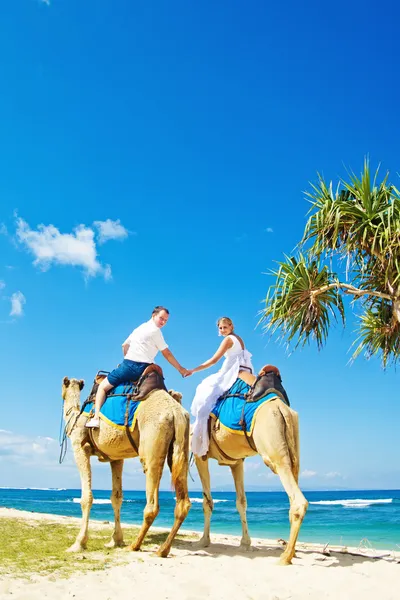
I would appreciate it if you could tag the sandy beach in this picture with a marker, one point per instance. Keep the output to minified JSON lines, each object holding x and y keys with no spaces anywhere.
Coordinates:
{"x":221,"y":571}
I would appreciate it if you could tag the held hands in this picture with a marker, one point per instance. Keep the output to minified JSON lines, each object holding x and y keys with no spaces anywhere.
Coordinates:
{"x":185,"y":372}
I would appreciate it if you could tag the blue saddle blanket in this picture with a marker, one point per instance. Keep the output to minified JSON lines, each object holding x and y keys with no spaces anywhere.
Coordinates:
{"x":231,"y":409}
{"x":114,"y":408}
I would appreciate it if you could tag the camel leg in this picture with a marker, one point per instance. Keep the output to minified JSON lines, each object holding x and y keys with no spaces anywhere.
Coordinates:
{"x":241,"y":503}
{"x":270,"y":436}
{"x":82,"y":459}
{"x":153,"y":476}
{"x":297,"y":511}
{"x":181,"y":510}
{"x":208,"y":504}
{"x":116,"y":501}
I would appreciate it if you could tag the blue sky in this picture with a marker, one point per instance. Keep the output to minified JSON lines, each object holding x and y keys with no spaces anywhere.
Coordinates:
{"x":158,"y":153}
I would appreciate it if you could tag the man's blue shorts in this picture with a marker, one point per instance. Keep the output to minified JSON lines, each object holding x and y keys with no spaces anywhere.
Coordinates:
{"x":128,"y":370}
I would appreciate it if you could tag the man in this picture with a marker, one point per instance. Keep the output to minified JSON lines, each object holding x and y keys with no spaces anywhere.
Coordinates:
{"x":140,"y":350}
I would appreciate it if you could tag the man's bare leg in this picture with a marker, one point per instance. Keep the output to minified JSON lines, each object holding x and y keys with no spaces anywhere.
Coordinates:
{"x":104,"y":387}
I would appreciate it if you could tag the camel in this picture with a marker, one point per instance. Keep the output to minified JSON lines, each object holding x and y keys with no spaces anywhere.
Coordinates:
{"x":275,"y":437}
{"x":161,"y":431}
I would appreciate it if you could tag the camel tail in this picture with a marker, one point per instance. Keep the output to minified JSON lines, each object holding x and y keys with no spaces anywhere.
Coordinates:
{"x":292,"y":437}
{"x":179,"y":462}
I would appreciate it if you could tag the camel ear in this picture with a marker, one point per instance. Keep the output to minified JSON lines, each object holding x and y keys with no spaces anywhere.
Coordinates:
{"x":66,"y":381}
{"x":176,"y":395}
{"x":81,"y":384}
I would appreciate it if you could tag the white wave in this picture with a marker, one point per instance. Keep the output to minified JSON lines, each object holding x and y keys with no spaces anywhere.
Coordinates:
{"x":356,"y":503}
{"x":33,"y":488}
{"x":48,"y":489}
{"x":201,"y":500}
{"x":194,"y":500}
{"x":95,"y":501}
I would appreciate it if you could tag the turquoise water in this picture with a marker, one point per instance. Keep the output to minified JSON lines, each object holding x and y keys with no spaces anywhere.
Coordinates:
{"x":337,"y":517}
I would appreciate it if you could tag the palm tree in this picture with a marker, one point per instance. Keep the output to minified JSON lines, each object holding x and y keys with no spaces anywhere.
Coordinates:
{"x":357,"y":229}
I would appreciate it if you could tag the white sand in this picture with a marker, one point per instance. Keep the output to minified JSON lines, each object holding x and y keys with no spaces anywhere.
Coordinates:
{"x":222,"y":571}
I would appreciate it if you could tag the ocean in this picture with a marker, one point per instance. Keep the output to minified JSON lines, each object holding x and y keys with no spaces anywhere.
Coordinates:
{"x":335,"y":517}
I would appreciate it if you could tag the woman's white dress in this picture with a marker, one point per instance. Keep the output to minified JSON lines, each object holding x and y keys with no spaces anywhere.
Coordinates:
{"x":211,"y":388}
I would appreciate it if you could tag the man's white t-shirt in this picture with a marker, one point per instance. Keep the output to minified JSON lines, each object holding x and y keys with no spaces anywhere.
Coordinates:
{"x":144,"y":343}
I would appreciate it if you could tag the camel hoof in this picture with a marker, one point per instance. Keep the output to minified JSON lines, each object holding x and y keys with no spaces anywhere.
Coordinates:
{"x":202,"y":543}
{"x":246,"y":548}
{"x":284,"y":562}
{"x":114,"y":544}
{"x":132,"y":548}
{"x":76,"y":547}
{"x":163,"y":552}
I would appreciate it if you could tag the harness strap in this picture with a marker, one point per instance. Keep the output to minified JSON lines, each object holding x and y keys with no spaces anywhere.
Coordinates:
{"x":242,"y":422}
{"x":126,"y":423}
{"x":213,"y":438}
{"x":96,"y":449}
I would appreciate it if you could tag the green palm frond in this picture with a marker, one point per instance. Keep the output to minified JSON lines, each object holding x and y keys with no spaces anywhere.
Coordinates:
{"x":291,"y":306}
{"x":379,"y":333}
{"x":357,"y":216}
{"x":358,"y":221}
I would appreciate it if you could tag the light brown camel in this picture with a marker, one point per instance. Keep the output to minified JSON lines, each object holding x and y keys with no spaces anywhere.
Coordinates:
{"x":161,"y":431}
{"x":275,"y":437}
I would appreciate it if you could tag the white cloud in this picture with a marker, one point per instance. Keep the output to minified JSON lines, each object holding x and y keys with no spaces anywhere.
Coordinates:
{"x":308,"y":473}
{"x":17,"y":304}
{"x":32,"y":461}
{"x":252,"y":467}
{"x":333,"y":474}
{"x":107,"y":273}
{"x":3,"y":229}
{"x":2,"y":284}
{"x":20,"y":448}
{"x":269,"y":230}
{"x":110,"y":230}
{"x":50,"y":247}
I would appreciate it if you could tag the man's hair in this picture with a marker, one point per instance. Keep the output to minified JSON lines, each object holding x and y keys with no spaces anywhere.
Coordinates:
{"x":158,"y":309}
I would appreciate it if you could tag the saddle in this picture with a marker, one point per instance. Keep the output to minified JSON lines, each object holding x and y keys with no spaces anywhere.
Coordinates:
{"x":151,"y":379}
{"x":268,"y":381}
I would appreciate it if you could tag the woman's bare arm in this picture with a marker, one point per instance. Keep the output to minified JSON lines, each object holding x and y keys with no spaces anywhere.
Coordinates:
{"x":224,"y":346}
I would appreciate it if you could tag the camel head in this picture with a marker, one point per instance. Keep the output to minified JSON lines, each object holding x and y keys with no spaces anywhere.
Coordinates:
{"x":71,"y":391}
{"x":176,"y":395}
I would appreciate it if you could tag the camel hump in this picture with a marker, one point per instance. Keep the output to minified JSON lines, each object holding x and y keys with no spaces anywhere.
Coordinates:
{"x":175,"y":395}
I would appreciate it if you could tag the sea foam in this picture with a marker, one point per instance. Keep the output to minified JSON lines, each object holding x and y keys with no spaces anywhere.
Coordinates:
{"x":356,"y":503}
{"x":95,"y":501}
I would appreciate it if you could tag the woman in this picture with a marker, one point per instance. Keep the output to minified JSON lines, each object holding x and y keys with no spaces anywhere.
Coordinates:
{"x":211,"y":388}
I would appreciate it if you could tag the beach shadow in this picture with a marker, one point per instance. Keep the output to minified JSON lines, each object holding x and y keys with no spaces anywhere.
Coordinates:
{"x":187,"y":543}
{"x":335,"y":558}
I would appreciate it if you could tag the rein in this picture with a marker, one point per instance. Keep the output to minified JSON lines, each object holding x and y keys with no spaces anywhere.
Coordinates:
{"x":64,"y":433}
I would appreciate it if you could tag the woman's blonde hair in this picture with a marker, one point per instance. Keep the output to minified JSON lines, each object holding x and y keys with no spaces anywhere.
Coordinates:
{"x":226,"y":320}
